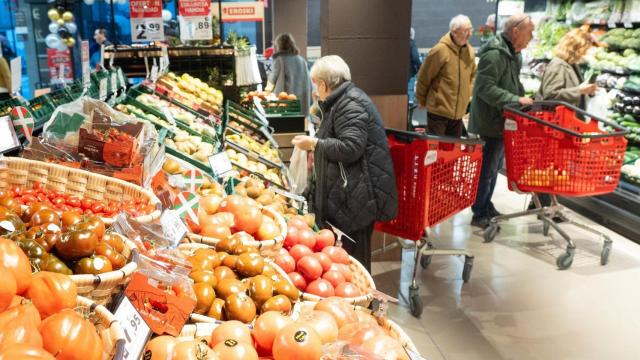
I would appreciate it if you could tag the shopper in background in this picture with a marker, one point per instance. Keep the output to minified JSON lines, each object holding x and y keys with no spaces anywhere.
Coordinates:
{"x":5,"y":79}
{"x":487,"y":32}
{"x":353,"y":182}
{"x":289,"y":71}
{"x":100,"y":37}
{"x":562,"y":79}
{"x":414,"y":65}
{"x":446,"y":78}
{"x":497,"y":84}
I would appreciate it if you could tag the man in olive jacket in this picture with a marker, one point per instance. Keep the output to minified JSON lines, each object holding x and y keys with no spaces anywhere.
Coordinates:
{"x":497,"y":84}
{"x":446,"y":78}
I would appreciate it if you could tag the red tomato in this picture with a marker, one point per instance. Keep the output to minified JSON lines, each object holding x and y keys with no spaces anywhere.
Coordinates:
{"x":298,"y":223}
{"x":335,"y":277}
{"x":74,"y":201}
{"x":337,"y":254}
{"x":320,"y":287}
{"x":248,"y":219}
{"x":323,"y":323}
{"x":324,"y":238}
{"x":297,"y":341}
{"x":265,"y":329}
{"x":347,"y":290}
{"x":309,"y":267}
{"x":307,"y":238}
{"x":293,"y":234}
{"x":342,"y":268}
{"x":298,"y":251}
{"x":298,"y":280}
{"x":325,"y":261}
{"x":286,"y":262}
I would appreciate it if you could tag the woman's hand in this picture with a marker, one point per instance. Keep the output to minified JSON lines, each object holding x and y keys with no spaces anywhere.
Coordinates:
{"x":305,"y":142}
{"x":588,"y":89}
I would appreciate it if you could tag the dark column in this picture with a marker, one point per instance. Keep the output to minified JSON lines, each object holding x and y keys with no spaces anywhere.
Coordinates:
{"x":291,"y":16}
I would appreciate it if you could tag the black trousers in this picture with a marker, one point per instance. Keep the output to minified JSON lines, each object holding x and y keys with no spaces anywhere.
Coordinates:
{"x":442,"y":126}
{"x":361,"y":249}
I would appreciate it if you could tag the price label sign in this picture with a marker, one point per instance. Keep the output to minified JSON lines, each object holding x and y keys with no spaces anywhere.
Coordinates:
{"x":136,"y":331}
{"x":114,"y":82}
{"x":102,"y":91}
{"x":154,"y":72}
{"x":86,"y":70}
{"x":195,"y":19}
{"x":173,"y":227}
{"x":220,"y":164}
{"x":168,"y":115}
{"x":123,"y":82}
{"x":146,"y":20}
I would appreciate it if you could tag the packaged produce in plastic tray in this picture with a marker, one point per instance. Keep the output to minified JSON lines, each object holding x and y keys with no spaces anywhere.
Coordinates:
{"x":88,"y":134}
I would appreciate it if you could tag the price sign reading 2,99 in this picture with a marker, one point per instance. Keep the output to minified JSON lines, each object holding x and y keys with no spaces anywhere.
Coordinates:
{"x":145,"y":30}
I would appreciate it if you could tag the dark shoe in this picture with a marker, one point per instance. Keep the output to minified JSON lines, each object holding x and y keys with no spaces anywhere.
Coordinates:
{"x":493,"y":213}
{"x":481,"y":222}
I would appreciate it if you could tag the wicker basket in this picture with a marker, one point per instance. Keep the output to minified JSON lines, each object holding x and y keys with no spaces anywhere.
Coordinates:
{"x":361,"y":279}
{"x":272,"y":244}
{"x":23,"y":172}
{"x":188,"y":249}
{"x":101,"y":288}
{"x":107,"y":325}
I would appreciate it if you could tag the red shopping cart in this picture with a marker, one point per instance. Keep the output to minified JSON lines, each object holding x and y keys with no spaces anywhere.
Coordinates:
{"x":436,"y":178}
{"x":557,"y":149}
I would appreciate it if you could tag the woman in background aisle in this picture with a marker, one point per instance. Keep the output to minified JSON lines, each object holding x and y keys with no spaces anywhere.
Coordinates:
{"x":5,"y":80}
{"x":353,"y":183}
{"x":290,"y":72}
{"x":562,"y":79}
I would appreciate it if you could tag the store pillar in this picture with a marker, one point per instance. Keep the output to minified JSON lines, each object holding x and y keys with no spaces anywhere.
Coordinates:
{"x":291,"y":16}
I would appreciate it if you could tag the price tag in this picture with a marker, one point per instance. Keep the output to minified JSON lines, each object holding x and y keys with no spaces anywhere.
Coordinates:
{"x":154,"y":71}
{"x":431,"y":157}
{"x":101,"y":57}
{"x":220,"y":164}
{"x":164,"y":60}
{"x":102,"y":92}
{"x":628,"y":25}
{"x":136,"y":331}
{"x":168,"y":115}
{"x":123,"y":82}
{"x":510,"y":125}
{"x":195,"y":28}
{"x":147,"y":29}
{"x":611,"y":24}
{"x":339,"y":234}
{"x":114,"y":82}
{"x":173,"y":227}
{"x":215,"y":120}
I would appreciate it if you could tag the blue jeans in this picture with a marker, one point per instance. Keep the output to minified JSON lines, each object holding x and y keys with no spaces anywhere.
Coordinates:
{"x":411,"y":94}
{"x":492,"y":158}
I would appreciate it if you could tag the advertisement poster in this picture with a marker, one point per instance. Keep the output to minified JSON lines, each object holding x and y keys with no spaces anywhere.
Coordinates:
{"x":195,"y":20}
{"x":146,"y":20}
{"x":60,"y":59}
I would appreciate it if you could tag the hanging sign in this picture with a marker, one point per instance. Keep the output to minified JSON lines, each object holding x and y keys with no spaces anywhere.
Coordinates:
{"x":242,"y":11}
{"x":195,"y":20}
{"x":146,"y":20}
{"x":86,"y":69}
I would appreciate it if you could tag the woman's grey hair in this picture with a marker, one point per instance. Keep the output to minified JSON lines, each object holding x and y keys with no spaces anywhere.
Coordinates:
{"x":331,"y":69}
{"x":458,"y":21}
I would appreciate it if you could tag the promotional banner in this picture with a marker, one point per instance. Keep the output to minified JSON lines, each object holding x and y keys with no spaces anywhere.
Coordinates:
{"x":242,"y":11}
{"x":146,"y":20}
{"x":195,"y":20}
{"x":60,"y":59}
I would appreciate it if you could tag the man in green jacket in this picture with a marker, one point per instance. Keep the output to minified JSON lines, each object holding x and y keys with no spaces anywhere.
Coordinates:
{"x":497,"y":84}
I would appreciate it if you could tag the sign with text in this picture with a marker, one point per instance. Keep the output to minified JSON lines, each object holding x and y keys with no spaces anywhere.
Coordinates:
{"x":195,"y":20}
{"x":16,"y":74}
{"x":242,"y":11}
{"x":57,"y":57}
{"x":194,"y":7}
{"x":86,"y":69}
{"x":146,"y":20}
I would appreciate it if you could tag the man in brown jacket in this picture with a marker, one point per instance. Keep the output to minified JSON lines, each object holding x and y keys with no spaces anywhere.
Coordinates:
{"x":446,"y":78}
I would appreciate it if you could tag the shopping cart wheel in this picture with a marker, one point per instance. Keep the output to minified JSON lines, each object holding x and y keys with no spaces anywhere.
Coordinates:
{"x":606,"y":251}
{"x":545,"y":228}
{"x":490,"y":232}
{"x":565,"y":260}
{"x":468,"y":266}
{"x":415,"y":302}
{"x":425,"y":260}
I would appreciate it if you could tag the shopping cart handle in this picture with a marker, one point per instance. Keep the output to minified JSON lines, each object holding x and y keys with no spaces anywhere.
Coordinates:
{"x":521,"y":110}
{"x":409,"y":136}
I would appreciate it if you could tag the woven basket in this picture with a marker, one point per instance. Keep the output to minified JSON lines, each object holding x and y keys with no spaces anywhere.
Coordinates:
{"x":101,"y":288}
{"x":361,"y":279}
{"x":107,"y":325}
{"x":23,"y":172}
{"x":272,"y":244}
{"x":188,"y":249}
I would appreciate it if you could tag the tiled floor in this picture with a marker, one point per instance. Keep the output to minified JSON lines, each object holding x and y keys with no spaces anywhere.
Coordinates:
{"x":517,"y":305}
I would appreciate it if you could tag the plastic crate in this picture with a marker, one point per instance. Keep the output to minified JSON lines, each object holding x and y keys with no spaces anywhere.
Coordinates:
{"x":289,"y":107}
{"x":60,"y":97}
{"x":75,"y":89}
{"x":555,"y":148}
{"x":7,"y":105}
{"x":42,"y":108}
{"x":436,"y":178}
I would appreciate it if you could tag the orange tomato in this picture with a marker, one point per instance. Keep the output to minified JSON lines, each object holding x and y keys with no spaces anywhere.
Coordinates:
{"x":20,"y":331}
{"x":160,"y":348}
{"x":13,"y":259}
{"x":71,"y":337}
{"x":233,"y":204}
{"x":231,"y":349}
{"x":51,"y":292}
{"x":297,"y":341}
{"x":25,"y":352}
{"x":248,"y":219}
{"x":8,"y":288}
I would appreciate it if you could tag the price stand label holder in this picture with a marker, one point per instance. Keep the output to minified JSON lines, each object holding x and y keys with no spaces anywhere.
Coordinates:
{"x":173,"y":227}
{"x":102,"y":91}
{"x":339,"y":234}
{"x":136,"y":331}
{"x":220,"y":164}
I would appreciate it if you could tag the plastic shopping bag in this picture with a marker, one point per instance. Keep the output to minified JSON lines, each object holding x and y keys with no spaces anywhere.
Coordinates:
{"x":298,"y":170}
{"x":598,"y":105}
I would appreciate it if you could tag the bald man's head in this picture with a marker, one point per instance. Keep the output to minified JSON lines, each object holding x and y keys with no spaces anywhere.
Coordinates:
{"x":519,"y":29}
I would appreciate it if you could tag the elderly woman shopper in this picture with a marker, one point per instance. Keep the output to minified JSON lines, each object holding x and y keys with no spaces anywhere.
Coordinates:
{"x":290,"y":72}
{"x":353,"y":182}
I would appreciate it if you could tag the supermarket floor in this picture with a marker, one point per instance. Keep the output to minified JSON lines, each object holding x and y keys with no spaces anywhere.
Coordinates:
{"x":517,"y":305}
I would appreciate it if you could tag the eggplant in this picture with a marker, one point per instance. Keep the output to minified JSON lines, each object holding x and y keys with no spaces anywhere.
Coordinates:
{"x":636,"y":111}
{"x":628,"y":109}
{"x":627,"y":100}
{"x":636,"y":100}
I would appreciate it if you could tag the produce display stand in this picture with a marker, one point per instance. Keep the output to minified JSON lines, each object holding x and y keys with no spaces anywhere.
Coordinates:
{"x":436,"y":178}
{"x":557,"y":149}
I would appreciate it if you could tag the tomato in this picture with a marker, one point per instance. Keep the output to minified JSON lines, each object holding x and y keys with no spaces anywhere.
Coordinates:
{"x":86,"y":204}
{"x":366,"y":333}
{"x":10,"y":223}
{"x":11,"y":204}
{"x":20,"y":331}
{"x":13,"y":259}
{"x":224,"y":218}
{"x":215,"y":231}
{"x":307,"y":238}
{"x":341,"y":312}
{"x":299,"y":251}
{"x":286,"y":262}
{"x":265,"y":329}
{"x":249,"y":264}
{"x":232,"y":329}
{"x":25,"y":352}
{"x":52,"y":263}
{"x":210,"y":203}
{"x":324,"y":238}
{"x":233,"y":204}
{"x":248,"y":219}
{"x":334,"y":277}
{"x":69,"y":336}
{"x":320,"y":287}
{"x":233,"y":350}
{"x":77,"y":244}
{"x":298,"y":222}
{"x":32,"y":209}
{"x":45,"y":216}
{"x":342,"y":268}
{"x":279,"y":303}
{"x":191,"y":350}
{"x":160,"y":348}
{"x":115,"y":240}
{"x":268,"y":229}
{"x":297,"y":341}
{"x":324,"y":259}
{"x":239,"y":306}
{"x":298,"y":280}
{"x":337,"y":254}
{"x":385,"y":347}
{"x":51,"y":292}
{"x":74,"y":201}
{"x":8,"y":289}
{"x":20,"y":309}
{"x":93,"y":223}
{"x":47,"y":235}
{"x":292,"y":239}
{"x":323,"y":323}
{"x":116,"y":259}
{"x":93,"y":265}
{"x":204,"y":295}
{"x":204,"y":276}
{"x":97,"y":207}
{"x":309,"y":267}
{"x":347,"y":290}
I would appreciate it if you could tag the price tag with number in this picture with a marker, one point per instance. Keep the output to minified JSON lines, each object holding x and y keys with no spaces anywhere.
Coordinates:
{"x":220,"y":164}
{"x":102,"y":92}
{"x":173,"y":227}
{"x":147,"y":29}
{"x":195,"y":28}
{"x":136,"y":331}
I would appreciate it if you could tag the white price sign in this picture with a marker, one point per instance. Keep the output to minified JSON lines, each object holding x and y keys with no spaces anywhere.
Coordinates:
{"x":147,"y":30}
{"x":123,"y":82}
{"x":195,"y":28}
{"x":102,"y":92}
{"x":86,"y":70}
{"x":154,"y":72}
{"x":16,"y":74}
{"x":168,"y":115}
{"x":220,"y":164}
{"x":136,"y":331}
{"x":114,"y":82}
{"x":173,"y":227}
